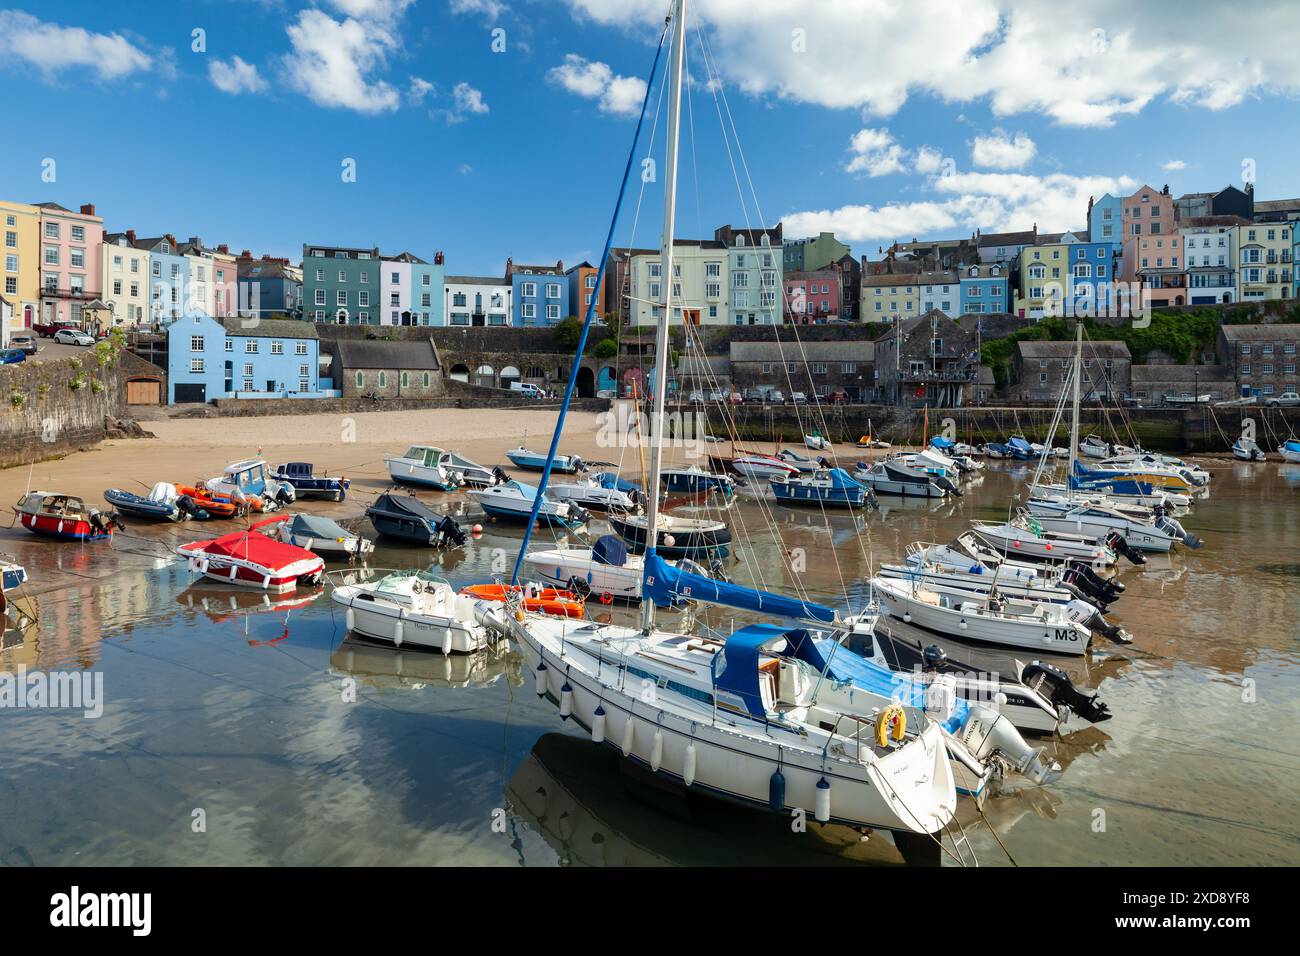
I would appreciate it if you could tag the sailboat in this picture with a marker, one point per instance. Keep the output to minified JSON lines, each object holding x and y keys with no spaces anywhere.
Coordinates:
{"x":749,"y":717}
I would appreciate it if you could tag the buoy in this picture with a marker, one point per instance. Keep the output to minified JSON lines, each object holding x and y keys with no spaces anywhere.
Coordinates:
{"x":399,"y":631}
{"x":606,"y":598}
{"x":598,"y":725}
{"x":566,"y":701}
{"x":962,"y":625}
{"x":1000,"y":699}
{"x":1048,"y":547}
{"x":776,"y":791}
{"x":477,"y":529}
{"x":446,"y":642}
{"x":540,"y":674}
{"x":629,"y":731}
{"x":350,"y":618}
{"x":1015,"y":544}
{"x":657,"y":751}
{"x":907,"y":617}
{"x":822,"y":806}
{"x":688,"y":766}
{"x":669,"y":541}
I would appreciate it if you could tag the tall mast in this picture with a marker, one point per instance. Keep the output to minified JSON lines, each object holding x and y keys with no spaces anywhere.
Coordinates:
{"x":666,"y":291}
{"x":1074,"y":416}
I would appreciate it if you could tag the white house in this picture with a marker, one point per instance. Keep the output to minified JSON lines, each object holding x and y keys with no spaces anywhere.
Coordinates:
{"x":477,"y":300}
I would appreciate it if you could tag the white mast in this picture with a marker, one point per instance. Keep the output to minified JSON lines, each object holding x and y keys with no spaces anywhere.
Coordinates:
{"x":665,"y":298}
{"x":1074,"y":418}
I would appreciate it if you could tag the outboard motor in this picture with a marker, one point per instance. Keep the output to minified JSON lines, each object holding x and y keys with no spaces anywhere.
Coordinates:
{"x":1056,"y":686}
{"x":578,"y":463}
{"x":987,"y":733}
{"x":580,"y":515}
{"x":933,"y":659}
{"x":1172,"y":526}
{"x":821,"y":460}
{"x":499,"y":477}
{"x":1111,"y":585}
{"x":578,"y":586}
{"x":449,"y":531}
{"x":1084,"y":583}
{"x":285,"y":493}
{"x":872,"y":501}
{"x":946,"y":483}
{"x":188,"y":509}
{"x":1113,"y":632}
{"x":1117,"y":542}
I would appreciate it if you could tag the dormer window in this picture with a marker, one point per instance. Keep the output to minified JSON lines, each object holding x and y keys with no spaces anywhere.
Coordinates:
{"x":740,"y":240}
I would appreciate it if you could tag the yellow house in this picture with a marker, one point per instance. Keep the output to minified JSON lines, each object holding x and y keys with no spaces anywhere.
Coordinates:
{"x":1264,"y":260}
{"x":126,"y":279}
{"x":1044,"y":280}
{"x":891,"y":297}
{"x":20,"y":272}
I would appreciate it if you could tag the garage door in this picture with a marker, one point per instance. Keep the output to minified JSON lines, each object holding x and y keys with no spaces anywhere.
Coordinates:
{"x":144,"y":392}
{"x":191,"y":393}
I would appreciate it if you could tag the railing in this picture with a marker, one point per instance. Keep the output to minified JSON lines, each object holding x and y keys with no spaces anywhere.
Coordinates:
{"x":937,"y":375}
{"x":56,"y":293}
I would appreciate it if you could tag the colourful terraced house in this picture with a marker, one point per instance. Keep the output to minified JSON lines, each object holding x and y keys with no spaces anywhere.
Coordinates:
{"x":20,"y":224}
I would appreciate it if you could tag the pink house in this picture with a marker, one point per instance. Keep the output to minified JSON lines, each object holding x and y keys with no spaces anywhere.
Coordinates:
{"x":813,"y":297}
{"x":70,"y":258}
{"x":1153,"y":248}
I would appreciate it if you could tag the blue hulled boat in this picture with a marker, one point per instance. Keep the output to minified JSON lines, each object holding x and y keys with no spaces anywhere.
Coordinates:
{"x":696,"y":481}
{"x":829,"y":487}
{"x":306,"y":484}
{"x":533,"y":461}
{"x":407,"y":519}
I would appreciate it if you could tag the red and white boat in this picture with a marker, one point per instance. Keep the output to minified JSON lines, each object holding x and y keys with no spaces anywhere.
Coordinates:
{"x":763,"y":467}
{"x":250,"y":559}
{"x":64,"y":516}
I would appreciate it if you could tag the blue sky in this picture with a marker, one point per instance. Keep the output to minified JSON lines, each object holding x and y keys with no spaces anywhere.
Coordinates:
{"x":876,"y":119}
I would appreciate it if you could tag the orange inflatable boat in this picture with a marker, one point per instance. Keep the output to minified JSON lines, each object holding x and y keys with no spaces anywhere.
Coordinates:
{"x":551,"y":601}
{"x":216,"y":507}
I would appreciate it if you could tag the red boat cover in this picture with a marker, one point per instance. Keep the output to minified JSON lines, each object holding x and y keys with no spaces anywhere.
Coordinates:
{"x":254,"y":547}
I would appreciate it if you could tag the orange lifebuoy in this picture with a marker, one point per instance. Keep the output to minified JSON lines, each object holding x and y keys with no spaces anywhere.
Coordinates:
{"x":607,"y":598}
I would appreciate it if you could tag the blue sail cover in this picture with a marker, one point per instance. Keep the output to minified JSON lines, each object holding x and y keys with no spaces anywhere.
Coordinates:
{"x":842,"y":479}
{"x":612,"y":482}
{"x":664,"y":584}
{"x":609,"y":549}
{"x":735,"y":670}
{"x":938,"y":441}
{"x":1021,"y":447}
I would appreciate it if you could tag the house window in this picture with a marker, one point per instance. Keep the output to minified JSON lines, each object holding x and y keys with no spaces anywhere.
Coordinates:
{"x":230,"y":345}
{"x":529,"y":311}
{"x":341,"y":297}
{"x":425,"y":380}
{"x":552,"y":290}
{"x":406,"y":380}
{"x":361,"y":379}
{"x":300,"y":348}
{"x":250,"y":347}
{"x":383,"y":379}
{"x":196,"y":343}
{"x":196,"y":366}
{"x":528,"y":289}
{"x":277,"y":348}
{"x":363,"y":298}
{"x":552,"y":312}
{"x":248,"y":370}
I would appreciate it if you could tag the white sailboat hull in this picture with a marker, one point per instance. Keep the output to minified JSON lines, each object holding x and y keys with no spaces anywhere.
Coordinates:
{"x":558,"y":566}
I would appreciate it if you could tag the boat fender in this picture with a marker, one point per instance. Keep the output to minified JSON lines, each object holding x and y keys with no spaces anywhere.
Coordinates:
{"x":350,"y":619}
{"x":892,"y":718}
{"x":776,"y":791}
{"x":598,"y":725}
{"x":1054,"y":684}
{"x":266,"y":580}
{"x":688,"y":765}
{"x":606,"y":598}
{"x":822,"y":804}
{"x":540,"y":675}
{"x":446,"y":641}
{"x":629,"y":735}
{"x":657,"y":751}
{"x":566,"y":701}
{"x":987,"y":733}
{"x":234,"y":571}
{"x":669,"y":541}
{"x":399,"y":630}
{"x":907,"y":617}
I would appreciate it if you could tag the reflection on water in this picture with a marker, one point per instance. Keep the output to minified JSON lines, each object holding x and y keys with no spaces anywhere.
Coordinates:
{"x":304,"y":747}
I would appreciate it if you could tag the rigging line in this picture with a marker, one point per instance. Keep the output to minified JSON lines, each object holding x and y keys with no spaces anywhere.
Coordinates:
{"x":586,"y":325}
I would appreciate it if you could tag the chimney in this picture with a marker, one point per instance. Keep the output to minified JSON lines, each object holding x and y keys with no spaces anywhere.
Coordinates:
{"x":223,"y":249}
{"x":245,"y":254}
{"x":130,"y":235}
{"x":88,"y":209}
{"x":196,"y":241}
{"x":438,"y":258}
{"x":171,"y":239}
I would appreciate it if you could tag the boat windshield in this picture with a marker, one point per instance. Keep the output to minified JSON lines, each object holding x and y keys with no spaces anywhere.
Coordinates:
{"x":404,"y":582}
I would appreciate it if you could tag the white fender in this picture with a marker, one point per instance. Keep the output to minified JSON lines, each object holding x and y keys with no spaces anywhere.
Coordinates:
{"x":822,"y":804}
{"x":540,"y":675}
{"x":351,"y":619}
{"x":629,"y":735}
{"x":566,"y":700}
{"x":266,"y":581}
{"x":399,"y":630}
{"x":598,"y":725}
{"x":688,"y":766}
{"x":657,"y":751}
{"x":446,"y":641}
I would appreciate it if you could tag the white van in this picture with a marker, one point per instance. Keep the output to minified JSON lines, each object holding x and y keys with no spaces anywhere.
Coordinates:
{"x":528,"y":388}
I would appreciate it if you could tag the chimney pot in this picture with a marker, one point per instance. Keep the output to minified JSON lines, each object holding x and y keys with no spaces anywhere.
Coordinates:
{"x":88,"y":209}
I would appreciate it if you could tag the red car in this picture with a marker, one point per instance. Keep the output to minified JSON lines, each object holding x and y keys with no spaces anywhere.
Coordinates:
{"x":47,"y":330}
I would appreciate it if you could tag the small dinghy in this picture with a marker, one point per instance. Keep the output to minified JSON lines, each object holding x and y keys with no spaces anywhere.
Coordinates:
{"x":557,"y":602}
{"x":601,"y":492}
{"x":250,"y":481}
{"x":407,"y":519}
{"x":66,"y":517}
{"x":676,"y":538}
{"x":300,"y":476}
{"x":1290,"y":450}
{"x":422,"y":466}
{"x":762,"y":467}
{"x":513,"y":501}
{"x":534,"y":461}
{"x":816,"y":442}
{"x":318,"y":534}
{"x":828,"y":487}
{"x":163,"y":503}
{"x":413,"y":609}
{"x":249,"y":559}
{"x":1246,"y":449}
{"x":212,"y":505}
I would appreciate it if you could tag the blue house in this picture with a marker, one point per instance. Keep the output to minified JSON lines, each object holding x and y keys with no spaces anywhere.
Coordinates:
{"x":1105,"y":220}
{"x":169,"y":277}
{"x":985,"y":289}
{"x":269,"y":286}
{"x":243,"y":358}
{"x":1092,"y":278}
{"x":427,"y":279}
{"x":540,"y":294}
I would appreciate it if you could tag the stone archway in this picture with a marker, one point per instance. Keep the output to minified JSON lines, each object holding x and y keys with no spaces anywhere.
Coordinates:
{"x":485,"y":375}
{"x":460,"y":373}
{"x":586,"y":382}
{"x":509,"y":374}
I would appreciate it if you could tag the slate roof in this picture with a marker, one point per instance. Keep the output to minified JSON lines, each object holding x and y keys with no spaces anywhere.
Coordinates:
{"x":1261,"y":333}
{"x":415,"y":354}
{"x":271,"y":328}
{"x":1058,"y":350}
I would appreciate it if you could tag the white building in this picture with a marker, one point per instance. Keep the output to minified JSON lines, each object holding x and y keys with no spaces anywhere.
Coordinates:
{"x":699,"y":290}
{"x":942,"y":291}
{"x":394,"y":288}
{"x":754,"y":264}
{"x":477,"y":300}
{"x":126,"y":279}
{"x":1210,"y":256}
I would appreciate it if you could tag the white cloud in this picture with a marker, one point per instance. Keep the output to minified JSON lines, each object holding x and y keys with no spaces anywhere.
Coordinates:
{"x":928,"y":161}
{"x":1173,"y":165}
{"x":332,"y":61}
{"x":52,"y":48}
{"x":1079,"y":64}
{"x":235,"y":76}
{"x":492,"y":9}
{"x":465,"y":169}
{"x":999,"y":151}
{"x":616,"y":95}
{"x":875,"y":153}
{"x":420,"y":89}
{"x":468,"y":99}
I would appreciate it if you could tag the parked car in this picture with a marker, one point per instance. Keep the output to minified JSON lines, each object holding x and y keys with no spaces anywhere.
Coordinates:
{"x":609,"y":393}
{"x":837,"y":398}
{"x":716,"y":395}
{"x":12,"y":356}
{"x":1286,"y":398}
{"x":696,"y":397}
{"x":25,"y":342}
{"x":71,"y":336}
{"x":49,"y":329}
{"x":528,"y":388}
{"x":775,"y":396}
{"x":798,"y":398}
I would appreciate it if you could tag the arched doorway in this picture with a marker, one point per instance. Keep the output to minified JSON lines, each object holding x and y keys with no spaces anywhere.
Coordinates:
{"x":341,"y":317}
{"x":586,"y":382}
{"x":460,"y":373}
{"x":485,"y":375}
{"x":509,"y":374}
{"x":606,"y":380}
{"x":29,"y":316}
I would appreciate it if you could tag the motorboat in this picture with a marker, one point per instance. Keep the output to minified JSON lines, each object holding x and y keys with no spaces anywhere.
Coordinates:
{"x":1146,"y":460}
{"x":471,"y":472}
{"x":317,"y":533}
{"x":163,"y":503}
{"x":600,"y":492}
{"x":409,"y":519}
{"x":998,"y":451}
{"x":1025,"y":540}
{"x":250,"y":559}
{"x":1136,"y":480}
{"x":513,"y":501}
{"x":894,"y":478}
{"x":826,"y":487}
{"x":413,"y":609}
{"x":422,"y":466}
{"x":604,"y":569}
{"x":212,"y":505}
{"x":762,"y":467}
{"x":800,"y":461}
{"x":1290,"y":450}
{"x":1158,"y":534}
{"x":534,"y":461}
{"x":1246,"y":449}
{"x":676,"y":537}
{"x":55,"y":515}
{"x":694,"y":480}
{"x":12,"y":574}
{"x":557,"y":602}
{"x":1094,"y":447}
{"x":251,"y":481}
{"x":817,"y":442}
{"x":301,"y":476}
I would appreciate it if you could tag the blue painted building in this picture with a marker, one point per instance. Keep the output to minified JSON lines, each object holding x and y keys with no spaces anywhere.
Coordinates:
{"x":269,"y":286}
{"x":985,"y":289}
{"x":1092,"y":278}
{"x":540,"y":294}
{"x":427,"y":280}
{"x":169,"y":278}
{"x":243,"y":358}
{"x":1106,"y":220}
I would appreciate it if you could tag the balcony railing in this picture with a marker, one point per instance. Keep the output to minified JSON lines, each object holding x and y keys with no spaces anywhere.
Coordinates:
{"x":937,"y":375}
{"x":52,"y":292}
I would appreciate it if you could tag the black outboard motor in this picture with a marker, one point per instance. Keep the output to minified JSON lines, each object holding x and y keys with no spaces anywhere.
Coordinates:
{"x":578,"y":463}
{"x":1112,"y":632}
{"x":188,"y":509}
{"x":103,"y":523}
{"x":499,"y":477}
{"x":1111,"y":585}
{"x":579,"y":586}
{"x":821,"y":460}
{"x":1053,"y":684}
{"x":933,"y":659}
{"x":947,"y":485}
{"x":1116,"y":541}
{"x":1084,"y":583}
{"x":449,"y":531}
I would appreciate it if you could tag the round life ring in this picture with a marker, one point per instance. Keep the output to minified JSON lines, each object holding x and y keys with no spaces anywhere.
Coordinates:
{"x":606,"y":598}
{"x":893,"y":717}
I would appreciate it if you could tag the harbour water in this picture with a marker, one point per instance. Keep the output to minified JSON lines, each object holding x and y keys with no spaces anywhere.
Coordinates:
{"x":237,"y":731}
